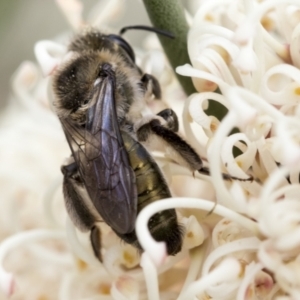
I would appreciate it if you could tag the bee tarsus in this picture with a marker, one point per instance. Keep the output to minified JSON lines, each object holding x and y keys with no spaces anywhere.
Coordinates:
{"x":151,"y":85}
{"x":96,"y":241}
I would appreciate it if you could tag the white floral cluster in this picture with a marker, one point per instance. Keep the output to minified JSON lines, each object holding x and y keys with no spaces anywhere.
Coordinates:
{"x":242,"y":238}
{"x":250,"y":50}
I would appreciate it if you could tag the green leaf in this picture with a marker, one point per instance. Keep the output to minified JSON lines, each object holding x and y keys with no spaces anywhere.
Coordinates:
{"x":169,"y":15}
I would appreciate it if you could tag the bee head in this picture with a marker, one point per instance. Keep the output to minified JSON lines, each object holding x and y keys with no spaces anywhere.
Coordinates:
{"x":74,"y":85}
{"x":93,"y":40}
{"x":75,"y":81}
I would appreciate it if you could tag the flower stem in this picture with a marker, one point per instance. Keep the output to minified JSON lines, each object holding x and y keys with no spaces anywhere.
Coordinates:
{"x":169,"y":15}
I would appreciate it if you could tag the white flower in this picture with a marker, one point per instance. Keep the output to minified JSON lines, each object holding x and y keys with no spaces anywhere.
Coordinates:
{"x":241,"y":238}
{"x":248,"y":50}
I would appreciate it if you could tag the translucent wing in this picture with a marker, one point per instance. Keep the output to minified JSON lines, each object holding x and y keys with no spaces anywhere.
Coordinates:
{"x":102,"y":160}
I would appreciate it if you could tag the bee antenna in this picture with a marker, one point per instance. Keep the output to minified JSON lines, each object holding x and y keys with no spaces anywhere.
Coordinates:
{"x":148,"y":28}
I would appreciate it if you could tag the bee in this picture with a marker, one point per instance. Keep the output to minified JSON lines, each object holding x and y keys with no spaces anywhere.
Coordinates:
{"x":100,"y":94}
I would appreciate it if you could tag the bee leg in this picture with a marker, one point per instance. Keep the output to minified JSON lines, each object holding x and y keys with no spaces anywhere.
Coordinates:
{"x":75,"y":198}
{"x":171,"y":119}
{"x":151,"y":86}
{"x":76,"y":201}
{"x":181,"y":151}
{"x":144,"y":131}
{"x":96,"y":242}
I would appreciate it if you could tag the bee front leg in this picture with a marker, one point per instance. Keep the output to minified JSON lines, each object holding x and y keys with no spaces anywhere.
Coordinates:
{"x":79,"y":207}
{"x":151,"y":86}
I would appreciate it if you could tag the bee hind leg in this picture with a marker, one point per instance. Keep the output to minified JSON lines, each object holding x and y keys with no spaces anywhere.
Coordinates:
{"x":181,"y":151}
{"x":171,"y":119}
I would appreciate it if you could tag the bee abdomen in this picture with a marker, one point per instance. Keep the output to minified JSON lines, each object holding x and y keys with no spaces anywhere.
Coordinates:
{"x":151,"y":185}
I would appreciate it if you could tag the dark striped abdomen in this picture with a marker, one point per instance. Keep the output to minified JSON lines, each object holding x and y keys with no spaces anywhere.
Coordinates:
{"x":151,"y":186}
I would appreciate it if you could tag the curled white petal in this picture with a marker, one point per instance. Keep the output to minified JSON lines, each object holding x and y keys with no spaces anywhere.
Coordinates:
{"x":105,"y":11}
{"x":129,"y":257}
{"x":246,"y":61}
{"x":154,"y":63}
{"x":196,"y":107}
{"x":274,"y":180}
{"x":48,"y":203}
{"x":281,"y":85}
{"x":125,"y":288}
{"x":7,"y":282}
{"x":49,"y":55}
{"x":260,"y":127}
{"x":150,"y":274}
{"x":72,"y":9}
{"x":294,"y":47}
{"x":240,"y":200}
{"x":150,"y":245}
{"x":266,"y":158}
{"x":248,"y":244}
{"x":237,"y":166}
{"x":206,"y":7}
{"x":215,"y":161}
{"x":251,"y":271}
{"x":188,"y":70}
{"x":77,"y":247}
{"x":25,"y":77}
{"x":287,"y":144}
{"x":112,"y":261}
{"x":226,"y":231}
{"x":19,"y":240}
{"x":246,"y":30}
{"x":268,"y":256}
{"x":214,"y":63}
{"x":227,"y":270}
{"x":197,"y":257}
{"x":244,"y":33}
{"x":194,"y":234}
{"x":255,"y":101}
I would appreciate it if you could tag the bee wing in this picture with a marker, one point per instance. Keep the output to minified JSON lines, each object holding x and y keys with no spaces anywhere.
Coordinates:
{"x":103,"y":162}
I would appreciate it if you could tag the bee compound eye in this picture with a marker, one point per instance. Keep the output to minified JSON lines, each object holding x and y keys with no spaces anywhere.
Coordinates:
{"x":123,"y":44}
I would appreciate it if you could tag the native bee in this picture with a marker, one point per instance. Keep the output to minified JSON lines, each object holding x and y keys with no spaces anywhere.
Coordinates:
{"x":99,"y":98}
